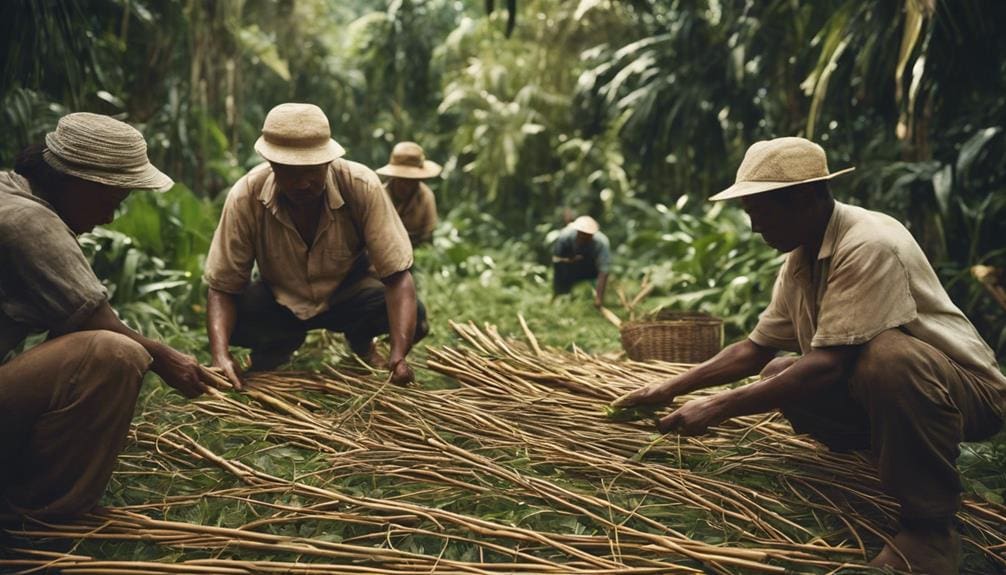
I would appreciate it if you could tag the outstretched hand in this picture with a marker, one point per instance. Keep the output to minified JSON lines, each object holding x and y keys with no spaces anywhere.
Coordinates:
{"x":401,"y":372}
{"x":180,"y":371}
{"x":693,"y":418}
{"x":657,"y":394}
{"x":230,"y":368}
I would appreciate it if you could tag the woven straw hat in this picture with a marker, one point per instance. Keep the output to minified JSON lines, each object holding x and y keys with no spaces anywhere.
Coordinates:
{"x":772,"y":164}
{"x":586,"y":224}
{"x":297,"y":135}
{"x":408,"y":161}
{"x":102,"y":149}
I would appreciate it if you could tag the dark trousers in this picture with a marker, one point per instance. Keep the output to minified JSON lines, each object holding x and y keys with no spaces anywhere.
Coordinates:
{"x":273,"y":332}
{"x":65,"y":408}
{"x":567,"y":274}
{"x":912,"y":406}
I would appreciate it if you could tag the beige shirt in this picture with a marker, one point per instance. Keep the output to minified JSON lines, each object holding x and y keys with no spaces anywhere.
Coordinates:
{"x":255,"y":228}
{"x":869,"y":276}
{"x":418,"y":213}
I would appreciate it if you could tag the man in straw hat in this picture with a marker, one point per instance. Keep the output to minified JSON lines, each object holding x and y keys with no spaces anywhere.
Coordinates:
{"x":581,"y":253}
{"x":413,"y":199}
{"x":314,"y":224}
{"x":66,"y":404}
{"x":888,"y":362}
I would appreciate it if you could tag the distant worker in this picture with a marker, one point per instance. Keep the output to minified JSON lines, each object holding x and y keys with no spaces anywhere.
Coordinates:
{"x":331,"y":252}
{"x":413,"y":199}
{"x":581,"y":252}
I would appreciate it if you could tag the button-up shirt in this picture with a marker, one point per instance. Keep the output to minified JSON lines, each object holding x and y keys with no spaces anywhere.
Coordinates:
{"x":418,"y":213}
{"x":870,"y":275}
{"x":255,"y":228}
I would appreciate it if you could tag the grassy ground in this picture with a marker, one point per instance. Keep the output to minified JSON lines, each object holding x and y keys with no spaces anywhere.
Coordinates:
{"x":351,"y":466}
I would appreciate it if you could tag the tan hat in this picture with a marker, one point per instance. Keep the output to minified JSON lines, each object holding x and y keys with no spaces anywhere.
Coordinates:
{"x":586,"y":224}
{"x":297,"y":135}
{"x":102,"y":149}
{"x":772,"y":164}
{"x":408,"y":161}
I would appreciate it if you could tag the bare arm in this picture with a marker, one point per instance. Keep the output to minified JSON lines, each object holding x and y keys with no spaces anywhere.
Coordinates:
{"x":221,"y":315}
{"x":736,"y":361}
{"x":400,"y":295}
{"x":179,"y":370}
{"x":806,"y":377}
{"x":602,"y":282}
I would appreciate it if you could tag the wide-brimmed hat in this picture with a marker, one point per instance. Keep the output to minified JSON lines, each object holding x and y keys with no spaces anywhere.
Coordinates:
{"x":102,"y":149}
{"x":586,"y":224}
{"x":297,"y":135}
{"x":773,"y":164}
{"x":408,"y":161}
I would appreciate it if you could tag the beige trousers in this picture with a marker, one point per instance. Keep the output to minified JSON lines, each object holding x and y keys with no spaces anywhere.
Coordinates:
{"x":912,"y":406}
{"x":65,"y":408}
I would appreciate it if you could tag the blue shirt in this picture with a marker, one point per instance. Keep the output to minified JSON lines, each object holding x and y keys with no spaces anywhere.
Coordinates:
{"x":597,"y":250}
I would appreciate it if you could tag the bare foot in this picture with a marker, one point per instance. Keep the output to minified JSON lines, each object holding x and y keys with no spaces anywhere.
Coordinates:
{"x":376,"y":358}
{"x":928,"y":551}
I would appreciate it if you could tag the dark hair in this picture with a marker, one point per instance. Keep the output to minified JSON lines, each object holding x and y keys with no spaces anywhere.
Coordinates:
{"x":30,"y":164}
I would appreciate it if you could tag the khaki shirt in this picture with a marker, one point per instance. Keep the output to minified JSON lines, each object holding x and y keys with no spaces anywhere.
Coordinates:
{"x":255,"y":228}
{"x":418,"y":213}
{"x":869,"y":276}
{"x":46,"y":283}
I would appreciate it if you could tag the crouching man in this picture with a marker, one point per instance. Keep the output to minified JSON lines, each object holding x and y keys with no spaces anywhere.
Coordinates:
{"x":888,"y":362}
{"x":331,"y":251}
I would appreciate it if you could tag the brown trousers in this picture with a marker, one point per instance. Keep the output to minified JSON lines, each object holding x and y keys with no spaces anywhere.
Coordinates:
{"x":65,"y":408}
{"x":912,"y":406}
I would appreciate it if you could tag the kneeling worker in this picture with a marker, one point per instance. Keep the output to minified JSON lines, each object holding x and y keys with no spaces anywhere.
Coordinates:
{"x":66,"y":404}
{"x":314,"y":223}
{"x":888,"y":362}
{"x":413,"y":199}
{"x":581,"y":253}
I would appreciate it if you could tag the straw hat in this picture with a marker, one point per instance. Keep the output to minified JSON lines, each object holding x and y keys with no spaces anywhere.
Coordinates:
{"x":586,"y":224}
{"x":297,"y":135}
{"x":772,"y":164}
{"x":408,"y":161}
{"x":102,"y":149}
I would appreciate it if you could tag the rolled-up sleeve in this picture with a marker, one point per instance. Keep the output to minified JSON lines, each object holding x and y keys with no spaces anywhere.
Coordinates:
{"x":868,"y":292}
{"x":50,"y":284}
{"x":232,"y":251}
{"x":776,"y":328}
{"x":387,"y":241}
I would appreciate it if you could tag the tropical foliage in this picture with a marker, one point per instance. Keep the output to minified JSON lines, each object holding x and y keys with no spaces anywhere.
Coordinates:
{"x":634,"y":111}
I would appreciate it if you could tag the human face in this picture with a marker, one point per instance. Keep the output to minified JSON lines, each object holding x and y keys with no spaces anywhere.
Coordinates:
{"x":402,"y":188}
{"x":774,"y":216}
{"x":583,"y":239}
{"x":300,"y":185}
{"x":84,"y":205}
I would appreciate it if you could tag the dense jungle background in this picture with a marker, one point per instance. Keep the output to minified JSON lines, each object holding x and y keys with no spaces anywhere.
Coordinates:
{"x":633,"y":111}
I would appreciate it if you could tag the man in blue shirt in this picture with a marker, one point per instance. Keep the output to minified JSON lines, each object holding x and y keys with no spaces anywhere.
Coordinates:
{"x":581,"y":252}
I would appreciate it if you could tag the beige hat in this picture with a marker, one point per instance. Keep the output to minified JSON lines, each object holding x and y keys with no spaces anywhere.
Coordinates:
{"x":102,"y":149}
{"x":772,"y":164}
{"x":409,"y":161}
{"x":586,"y":224}
{"x":297,"y":135}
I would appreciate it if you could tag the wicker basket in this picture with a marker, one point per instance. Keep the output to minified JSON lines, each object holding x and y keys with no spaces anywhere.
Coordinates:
{"x":673,"y":336}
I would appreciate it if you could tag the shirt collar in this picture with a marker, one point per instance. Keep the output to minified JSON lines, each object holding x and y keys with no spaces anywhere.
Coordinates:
{"x":22,"y":186}
{"x":797,"y":259}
